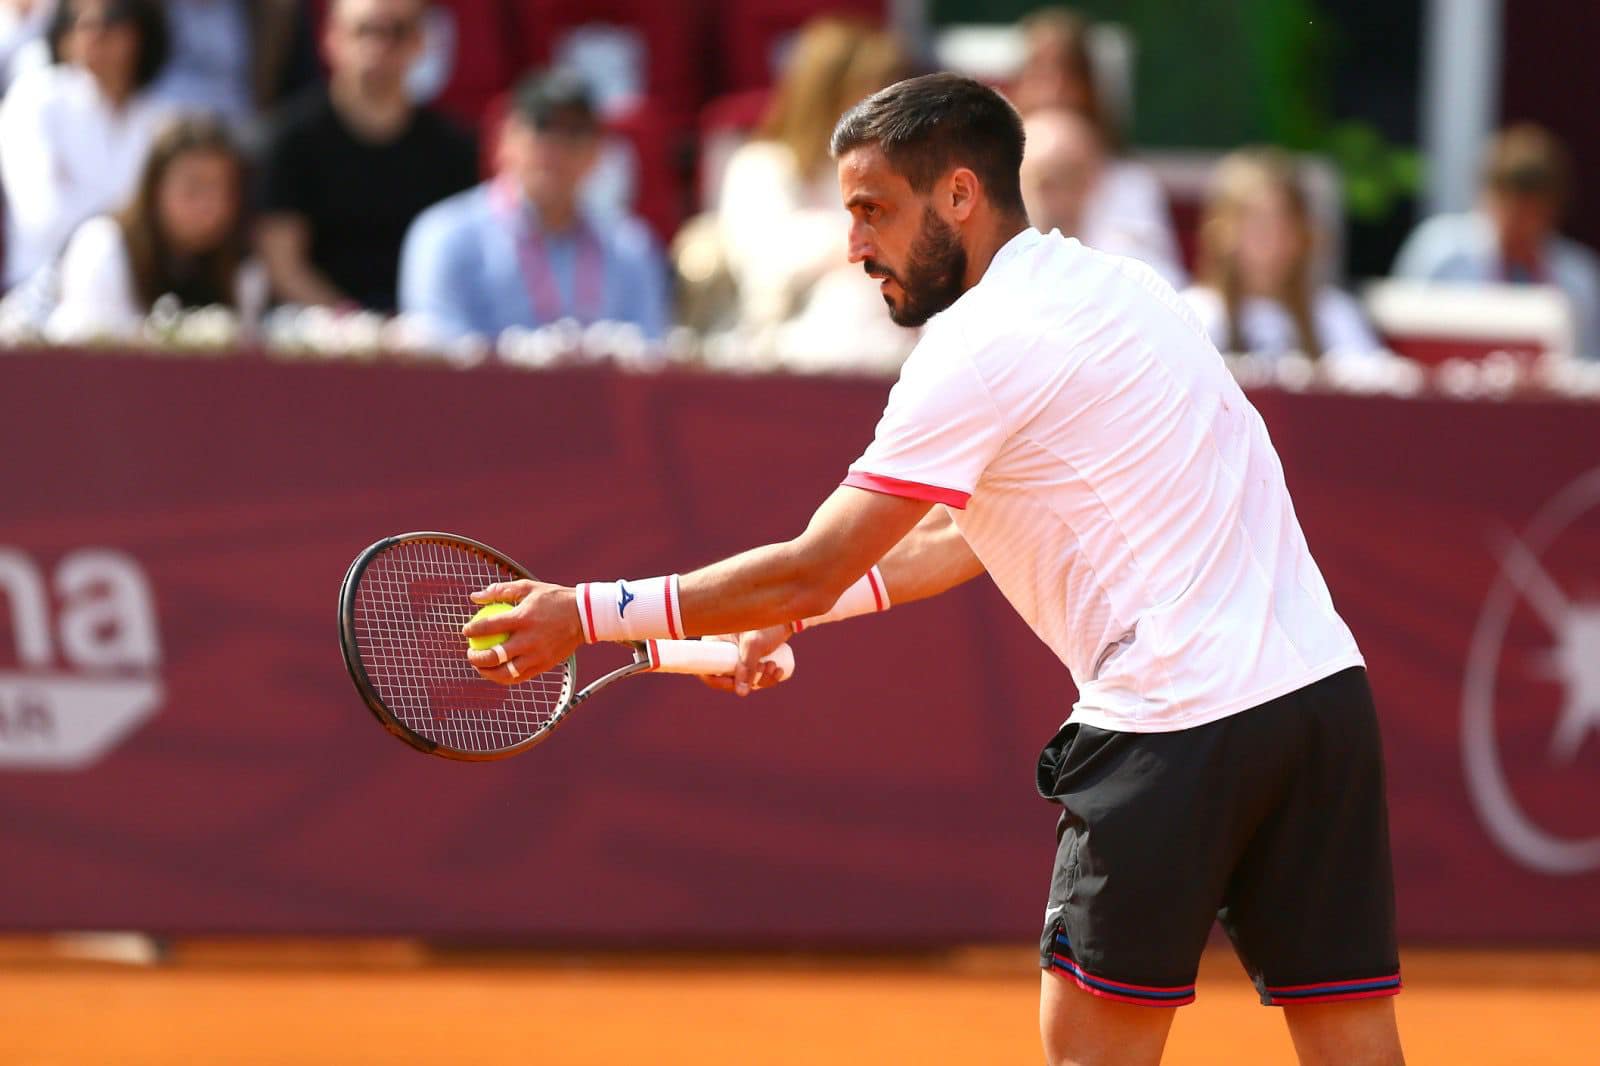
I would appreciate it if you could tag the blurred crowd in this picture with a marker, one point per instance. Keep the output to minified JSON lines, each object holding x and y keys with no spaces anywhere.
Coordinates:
{"x":483,"y":170}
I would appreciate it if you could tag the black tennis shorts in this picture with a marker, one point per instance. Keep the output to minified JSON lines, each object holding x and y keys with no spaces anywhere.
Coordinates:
{"x":1272,"y":820}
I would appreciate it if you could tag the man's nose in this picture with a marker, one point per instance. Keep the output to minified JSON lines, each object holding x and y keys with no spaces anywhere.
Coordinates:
{"x":860,"y":244}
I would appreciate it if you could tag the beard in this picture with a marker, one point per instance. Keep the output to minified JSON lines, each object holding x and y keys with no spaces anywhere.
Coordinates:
{"x":934,"y":273}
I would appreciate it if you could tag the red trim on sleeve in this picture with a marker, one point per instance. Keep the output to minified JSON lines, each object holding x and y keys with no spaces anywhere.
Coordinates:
{"x":588,"y":614}
{"x":798,"y":624}
{"x":877,"y":589}
{"x":911,"y":490}
{"x":654,"y":653}
{"x":672,"y":628}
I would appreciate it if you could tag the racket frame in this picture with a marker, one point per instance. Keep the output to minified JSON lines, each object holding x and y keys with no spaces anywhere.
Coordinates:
{"x":349,"y":648}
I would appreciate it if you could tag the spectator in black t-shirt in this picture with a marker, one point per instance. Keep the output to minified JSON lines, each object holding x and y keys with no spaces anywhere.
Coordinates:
{"x":348,"y":167}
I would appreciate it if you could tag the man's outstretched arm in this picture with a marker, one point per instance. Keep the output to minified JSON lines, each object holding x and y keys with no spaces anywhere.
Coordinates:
{"x":767,"y":586}
{"x":931,"y":558}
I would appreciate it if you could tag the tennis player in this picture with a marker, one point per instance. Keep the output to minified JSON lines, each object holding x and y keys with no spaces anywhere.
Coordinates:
{"x":1065,"y":426}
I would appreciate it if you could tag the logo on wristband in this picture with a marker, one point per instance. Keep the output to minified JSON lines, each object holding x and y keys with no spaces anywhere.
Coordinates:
{"x":624,"y":597}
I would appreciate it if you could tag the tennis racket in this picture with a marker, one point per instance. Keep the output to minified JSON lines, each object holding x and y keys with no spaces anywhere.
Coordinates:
{"x":401,"y":608}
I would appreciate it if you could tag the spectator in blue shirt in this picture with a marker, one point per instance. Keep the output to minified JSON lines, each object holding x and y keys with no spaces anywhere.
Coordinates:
{"x":520,"y":249}
{"x":1513,"y":236}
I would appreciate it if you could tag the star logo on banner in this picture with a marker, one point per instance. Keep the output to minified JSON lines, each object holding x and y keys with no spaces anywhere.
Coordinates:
{"x":1575,"y":659}
{"x":1571,"y":661}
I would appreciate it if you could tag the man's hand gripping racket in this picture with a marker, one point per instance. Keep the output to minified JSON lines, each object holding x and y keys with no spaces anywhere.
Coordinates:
{"x":403,"y":608}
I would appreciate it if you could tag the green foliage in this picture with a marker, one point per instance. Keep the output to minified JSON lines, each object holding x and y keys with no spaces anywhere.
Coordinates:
{"x":1224,"y":73}
{"x":1376,"y":174}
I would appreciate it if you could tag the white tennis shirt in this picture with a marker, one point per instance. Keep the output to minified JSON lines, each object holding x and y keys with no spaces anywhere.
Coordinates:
{"x":1116,"y":484}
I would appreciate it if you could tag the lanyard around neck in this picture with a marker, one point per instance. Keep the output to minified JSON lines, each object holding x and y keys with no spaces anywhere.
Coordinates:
{"x":539,"y":276}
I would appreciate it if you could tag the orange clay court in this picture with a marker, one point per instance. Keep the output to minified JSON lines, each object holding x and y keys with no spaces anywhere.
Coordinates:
{"x":317,"y":1003}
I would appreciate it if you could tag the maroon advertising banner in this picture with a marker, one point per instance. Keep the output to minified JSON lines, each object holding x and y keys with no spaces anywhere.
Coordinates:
{"x":181,"y":751}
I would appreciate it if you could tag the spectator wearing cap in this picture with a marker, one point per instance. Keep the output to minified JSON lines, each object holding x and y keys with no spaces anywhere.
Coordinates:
{"x":348,"y":167}
{"x":74,"y":134}
{"x":1512,"y":236}
{"x":521,"y":249}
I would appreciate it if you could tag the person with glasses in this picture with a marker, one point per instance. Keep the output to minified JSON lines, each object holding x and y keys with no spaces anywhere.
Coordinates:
{"x":521,"y":249}
{"x":74,"y":134}
{"x":347,"y":167}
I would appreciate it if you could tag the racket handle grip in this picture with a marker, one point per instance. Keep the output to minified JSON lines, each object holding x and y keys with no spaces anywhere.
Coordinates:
{"x":709,"y":658}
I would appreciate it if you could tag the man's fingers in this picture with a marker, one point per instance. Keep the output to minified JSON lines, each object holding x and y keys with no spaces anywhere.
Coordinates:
{"x":520,"y":642}
{"x":503,"y":592}
{"x":510,"y":622}
{"x":742,"y":676}
{"x":515,"y":671}
{"x":721,"y":684}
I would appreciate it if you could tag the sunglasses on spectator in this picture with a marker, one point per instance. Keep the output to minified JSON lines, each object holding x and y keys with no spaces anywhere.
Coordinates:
{"x":390,"y":31}
{"x":568,"y":131}
{"x":98,"y":21}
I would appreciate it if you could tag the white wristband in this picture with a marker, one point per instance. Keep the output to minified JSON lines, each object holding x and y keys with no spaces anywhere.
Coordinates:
{"x":867,"y":596}
{"x":647,"y":609}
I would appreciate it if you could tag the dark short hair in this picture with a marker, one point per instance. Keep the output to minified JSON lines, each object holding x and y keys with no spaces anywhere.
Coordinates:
{"x":927,"y":126}
{"x":543,"y":96}
{"x":147,"y":17}
{"x":1528,"y":160}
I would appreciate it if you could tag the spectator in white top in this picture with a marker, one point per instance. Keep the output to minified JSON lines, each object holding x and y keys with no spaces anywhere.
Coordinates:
{"x":1071,"y":184}
{"x":1121,"y":206}
{"x":1256,"y":290}
{"x":181,"y":238}
{"x":779,"y":215}
{"x":22,"y":26}
{"x":74,"y":135}
{"x":1513,"y":236}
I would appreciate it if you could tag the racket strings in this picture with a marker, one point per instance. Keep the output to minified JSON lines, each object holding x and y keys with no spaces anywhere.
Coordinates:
{"x":410,"y":606}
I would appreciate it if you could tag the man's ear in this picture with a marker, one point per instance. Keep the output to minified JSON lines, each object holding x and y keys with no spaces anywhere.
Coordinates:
{"x":962,"y":188}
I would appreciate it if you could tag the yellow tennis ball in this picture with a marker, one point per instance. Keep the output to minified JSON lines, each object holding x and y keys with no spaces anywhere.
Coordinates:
{"x":489,"y":610}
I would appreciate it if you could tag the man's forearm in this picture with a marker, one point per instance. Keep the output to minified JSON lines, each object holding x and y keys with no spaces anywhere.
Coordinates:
{"x":762,"y":587}
{"x":931,"y":558}
{"x":297,"y":283}
{"x":784,"y":582}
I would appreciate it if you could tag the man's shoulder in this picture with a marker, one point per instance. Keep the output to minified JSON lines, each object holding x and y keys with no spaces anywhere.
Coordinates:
{"x":1444,"y":245}
{"x":307,"y":115}
{"x":468,"y":213}
{"x":1029,"y":293}
{"x":436,"y":132}
{"x":1582,"y":258}
{"x":1459,"y":227}
{"x":628,"y":236}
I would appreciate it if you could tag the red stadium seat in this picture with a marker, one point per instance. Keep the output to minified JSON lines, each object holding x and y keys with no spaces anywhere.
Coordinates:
{"x":661,"y":198}
{"x":753,"y":32}
{"x":488,"y":57}
{"x":725,"y":123}
{"x":677,"y":75}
